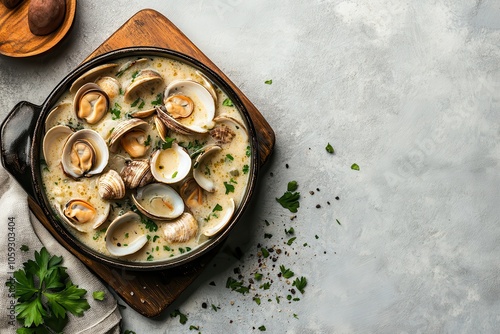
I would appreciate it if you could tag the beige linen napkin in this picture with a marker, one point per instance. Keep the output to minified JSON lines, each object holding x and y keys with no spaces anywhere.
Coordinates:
{"x":18,"y":226}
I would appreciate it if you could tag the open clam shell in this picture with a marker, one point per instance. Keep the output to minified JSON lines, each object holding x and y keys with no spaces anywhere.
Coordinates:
{"x":91,"y":103}
{"x":85,"y":153}
{"x":143,"y":79}
{"x":158,"y":201}
{"x":83,"y":216}
{"x":91,"y":75}
{"x":170,"y":165}
{"x":125,"y":235}
{"x":131,"y":135}
{"x":199,"y":167}
{"x":200,"y":120}
{"x":218,"y":225}
{"x":53,"y":143}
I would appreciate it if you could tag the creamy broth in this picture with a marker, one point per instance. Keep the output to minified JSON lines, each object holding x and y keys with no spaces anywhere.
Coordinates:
{"x":227,"y":169}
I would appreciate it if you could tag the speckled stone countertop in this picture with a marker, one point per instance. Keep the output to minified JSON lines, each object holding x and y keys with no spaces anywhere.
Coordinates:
{"x":408,"y":91}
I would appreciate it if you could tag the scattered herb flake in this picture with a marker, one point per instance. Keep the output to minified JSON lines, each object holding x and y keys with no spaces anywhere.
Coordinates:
{"x":287,"y":273}
{"x":116,"y":111}
{"x":147,"y":142}
{"x":355,"y":167}
{"x":246,"y":169}
{"x":265,"y":286}
{"x":265,"y":252}
{"x":229,"y":188}
{"x":150,"y":225}
{"x":135,"y":102}
{"x":227,"y":102}
{"x":292,"y":186}
{"x":158,"y":101}
{"x":235,"y":285}
{"x":217,"y":207}
{"x":193,"y":327}
{"x":290,"y":201}
{"x":248,"y":151}
{"x":24,"y":248}
{"x":182,"y":317}
{"x":268,"y":82}
{"x":229,"y":157}
{"x":256,"y":300}
{"x":290,"y":241}
{"x":98,"y":295}
{"x":215,"y":308}
{"x":300,"y":283}
{"x":258,"y":276}
{"x":268,"y":235}
{"x":338,"y":222}
{"x":262,"y":328}
{"x":329,"y":149}
{"x":290,"y":231}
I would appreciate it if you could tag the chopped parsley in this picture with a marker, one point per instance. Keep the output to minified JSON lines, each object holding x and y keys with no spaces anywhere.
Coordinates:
{"x":258,"y":276}
{"x":116,"y":111}
{"x":150,"y":225}
{"x":237,"y":286}
{"x":248,"y":151}
{"x":290,"y":231}
{"x":182,"y":317}
{"x":24,"y":248}
{"x":287,"y":273}
{"x":290,"y":201}
{"x":217,"y":207}
{"x":268,"y":235}
{"x":98,"y":295}
{"x":300,"y":283}
{"x":355,"y":167}
{"x":256,"y":300}
{"x":227,"y":102}
{"x":329,"y":149}
{"x":164,"y":144}
{"x":215,"y":308}
{"x":290,"y":241}
{"x":292,"y":186}
{"x":134,"y":75}
{"x":147,"y":142}
{"x":193,"y":327}
{"x":265,"y":252}
{"x":265,"y":286}
{"x":158,"y":101}
{"x":229,"y":157}
{"x":338,"y":222}
{"x":246,"y":168}
{"x":268,"y":82}
{"x":136,"y":102}
{"x":229,"y":188}
{"x":174,"y":175}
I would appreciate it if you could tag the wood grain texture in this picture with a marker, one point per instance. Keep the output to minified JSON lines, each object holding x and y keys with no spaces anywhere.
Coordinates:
{"x":16,"y":39}
{"x":149,"y":293}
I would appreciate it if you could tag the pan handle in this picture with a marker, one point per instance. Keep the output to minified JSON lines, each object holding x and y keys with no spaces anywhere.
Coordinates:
{"x":16,"y":135}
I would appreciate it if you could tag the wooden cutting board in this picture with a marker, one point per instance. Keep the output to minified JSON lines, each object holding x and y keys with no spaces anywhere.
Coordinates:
{"x":149,"y":293}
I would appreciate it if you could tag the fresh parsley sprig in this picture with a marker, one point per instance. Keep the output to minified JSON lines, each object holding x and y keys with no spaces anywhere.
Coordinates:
{"x":45,"y":294}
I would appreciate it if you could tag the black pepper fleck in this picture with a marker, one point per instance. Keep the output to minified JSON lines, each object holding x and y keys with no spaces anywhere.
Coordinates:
{"x":337,"y":198}
{"x":286,"y":166}
{"x":318,"y":206}
{"x":204,"y":305}
{"x":311,"y":192}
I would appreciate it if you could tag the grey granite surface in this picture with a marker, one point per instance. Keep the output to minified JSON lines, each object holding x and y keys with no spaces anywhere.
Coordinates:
{"x":409,"y":91}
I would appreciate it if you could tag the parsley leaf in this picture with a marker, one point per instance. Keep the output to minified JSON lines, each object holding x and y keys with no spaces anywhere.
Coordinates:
{"x":229,"y":188}
{"x":300,"y":283}
{"x":116,"y":111}
{"x":150,"y":225}
{"x":262,"y":328}
{"x":182,"y":317}
{"x":290,"y":241}
{"x":237,"y":286}
{"x":268,"y":82}
{"x":355,"y":167}
{"x":287,"y":273}
{"x":329,"y":149}
{"x":290,"y":201}
{"x":292,"y":186}
{"x":158,"y":100}
{"x":246,"y":168}
{"x":98,"y":295}
{"x":227,"y":102}
{"x":45,"y":294}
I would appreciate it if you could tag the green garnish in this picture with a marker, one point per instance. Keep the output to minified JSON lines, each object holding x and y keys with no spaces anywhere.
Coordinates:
{"x":182,"y":317}
{"x":246,"y":168}
{"x":135,"y":102}
{"x":167,"y":143}
{"x":292,"y":186}
{"x":98,"y":295}
{"x":237,"y":286}
{"x":290,"y":241}
{"x":265,"y":286}
{"x":150,"y":258}
{"x":227,"y":102}
{"x":134,"y":75}
{"x":287,"y":273}
{"x":158,"y":100}
{"x":290,"y":201}
{"x":150,"y":225}
{"x":229,"y":157}
{"x":290,"y":231}
{"x":262,"y":328}
{"x":217,"y":207}
{"x":265,"y":252}
{"x":147,"y":142}
{"x":338,"y":222}
{"x":258,"y":276}
{"x":355,"y":167}
{"x":300,"y":283}
{"x":215,"y":308}
{"x":268,"y":235}
{"x":24,"y":248}
{"x":268,"y":82}
{"x":248,"y":151}
{"x":257,"y":300}
{"x":329,"y":149}
{"x":141,"y":105}
{"x":229,"y":188}
{"x":174,"y":175}
{"x":166,"y":248}
{"x":45,"y":294}
{"x":116,"y":111}
{"x":193,"y":327}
